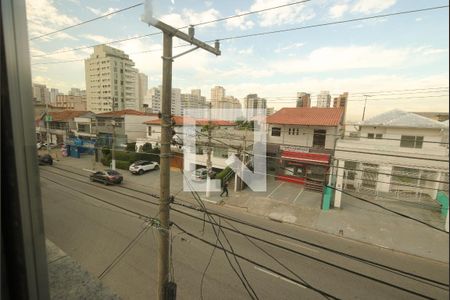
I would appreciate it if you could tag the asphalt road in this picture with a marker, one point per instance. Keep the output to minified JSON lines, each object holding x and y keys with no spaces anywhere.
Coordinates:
{"x":80,"y":221}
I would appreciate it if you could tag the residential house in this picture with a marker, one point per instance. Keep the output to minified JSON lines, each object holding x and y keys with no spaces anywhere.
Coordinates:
{"x":226,"y":141}
{"x":125,"y":126}
{"x":301,"y":142}
{"x":60,"y":124}
{"x":396,"y":153}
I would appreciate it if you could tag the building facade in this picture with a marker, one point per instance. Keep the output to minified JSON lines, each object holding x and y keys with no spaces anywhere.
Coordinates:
{"x":141,"y":89}
{"x":68,"y":102}
{"x":110,"y":81}
{"x":341,"y":101}
{"x":300,"y":144}
{"x":303,"y":99}
{"x":217,"y":95}
{"x":324,"y":99}
{"x":41,"y":94}
{"x":396,"y":154}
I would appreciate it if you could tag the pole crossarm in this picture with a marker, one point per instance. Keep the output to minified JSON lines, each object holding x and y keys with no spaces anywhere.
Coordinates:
{"x":183,"y":36}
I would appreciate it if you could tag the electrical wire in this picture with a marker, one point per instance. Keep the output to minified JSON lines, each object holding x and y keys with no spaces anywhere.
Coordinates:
{"x":317,"y":25}
{"x":158,"y":33}
{"x":87,"y":21}
{"x":233,"y":219}
{"x":123,"y":253}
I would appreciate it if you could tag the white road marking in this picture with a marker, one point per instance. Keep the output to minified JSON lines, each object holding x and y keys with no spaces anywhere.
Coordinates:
{"x":298,"y":196}
{"x":279,"y":277}
{"x":297,"y":245}
{"x":87,"y":170}
{"x":276,"y":189}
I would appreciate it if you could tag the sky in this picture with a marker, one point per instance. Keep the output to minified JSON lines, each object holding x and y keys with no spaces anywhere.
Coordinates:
{"x":399,"y":53}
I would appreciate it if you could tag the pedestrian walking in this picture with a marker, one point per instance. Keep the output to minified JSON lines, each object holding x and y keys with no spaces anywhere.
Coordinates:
{"x":224,"y":189}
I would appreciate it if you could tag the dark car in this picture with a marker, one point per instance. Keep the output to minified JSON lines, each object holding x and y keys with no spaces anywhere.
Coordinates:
{"x":45,"y":160}
{"x":107,"y":177}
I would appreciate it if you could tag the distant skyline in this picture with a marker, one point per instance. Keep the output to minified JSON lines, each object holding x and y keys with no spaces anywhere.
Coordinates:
{"x":395,"y":53}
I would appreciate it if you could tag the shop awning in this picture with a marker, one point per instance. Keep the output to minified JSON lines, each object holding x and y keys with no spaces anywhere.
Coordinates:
{"x":312,"y":158}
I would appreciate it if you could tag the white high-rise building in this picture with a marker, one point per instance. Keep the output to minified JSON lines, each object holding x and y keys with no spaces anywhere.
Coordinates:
{"x":324,"y":99}
{"x":53,"y":94}
{"x":41,"y":93}
{"x":217,"y":95}
{"x":110,"y":81}
{"x":141,"y":88}
{"x":194,"y":100}
{"x":180,"y":102}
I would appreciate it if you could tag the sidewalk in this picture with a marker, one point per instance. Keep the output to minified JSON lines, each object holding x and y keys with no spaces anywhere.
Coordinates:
{"x":290,"y":203}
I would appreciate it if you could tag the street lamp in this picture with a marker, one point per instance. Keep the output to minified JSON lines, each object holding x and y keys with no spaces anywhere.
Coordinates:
{"x":365,"y":105}
{"x":113,"y":150}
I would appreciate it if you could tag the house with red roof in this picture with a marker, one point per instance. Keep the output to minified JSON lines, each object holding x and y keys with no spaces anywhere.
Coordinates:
{"x":127,"y":126}
{"x":301,"y":142}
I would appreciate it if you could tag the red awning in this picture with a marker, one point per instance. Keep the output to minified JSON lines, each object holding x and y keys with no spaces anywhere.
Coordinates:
{"x":306,"y":157}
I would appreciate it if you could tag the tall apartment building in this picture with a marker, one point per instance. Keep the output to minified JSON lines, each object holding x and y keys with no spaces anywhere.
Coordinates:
{"x":324,"y":99}
{"x":252,"y":101}
{"x":194,"y":100}
{"x":41,"y":93}
{"x":141,"y":89}
{"x":53,"y":94}
{"x":110,"y":81}
{"x":77,"y":92}
{"x":303,"y":99}
{"x":217,"y":95}
{"x":341,"y":101}
{"x":70,"y":102}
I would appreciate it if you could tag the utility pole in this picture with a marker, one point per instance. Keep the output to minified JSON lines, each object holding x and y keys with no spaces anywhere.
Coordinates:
{"x":165,"y":288}
{"x":209,"y":162}
{"x":365,"y":105}
{"x":113,"y":148}
{"x":47,"y":121}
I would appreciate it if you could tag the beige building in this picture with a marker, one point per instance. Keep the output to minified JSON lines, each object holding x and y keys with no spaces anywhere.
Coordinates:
{"x":141,"y":89}
{"x":303,"y":99}
{"x":110,"y":81}
{"x":324,"y":99}
{"x":217,"y":95}
{"x":69,"y":102}
{"x":41,"y":93}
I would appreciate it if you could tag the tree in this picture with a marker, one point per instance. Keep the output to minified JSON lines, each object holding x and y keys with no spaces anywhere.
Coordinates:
{"x":147,"y":148}
{"x":131,"y":147}
{"x":106,"y":151}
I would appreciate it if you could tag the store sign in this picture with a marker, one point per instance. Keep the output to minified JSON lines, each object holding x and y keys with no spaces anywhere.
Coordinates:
{"x":294,"y":149}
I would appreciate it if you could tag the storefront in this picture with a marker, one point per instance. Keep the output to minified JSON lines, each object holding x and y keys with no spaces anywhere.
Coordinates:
{"x":310,"y":169}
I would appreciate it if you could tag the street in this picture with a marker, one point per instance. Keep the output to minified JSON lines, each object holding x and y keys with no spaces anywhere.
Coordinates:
{"x":80,"y":221}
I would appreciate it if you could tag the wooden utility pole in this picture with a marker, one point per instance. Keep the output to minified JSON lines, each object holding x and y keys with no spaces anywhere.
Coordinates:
{"x":165,"y":289}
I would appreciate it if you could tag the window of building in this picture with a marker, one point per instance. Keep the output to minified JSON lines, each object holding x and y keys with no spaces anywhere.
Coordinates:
{"x":149,"y":131}
{"x":319,"y":138}
{"x":290,"y":131}
{"x":379,"y":136}
{"x":220,"y":152}
{"x":371,"y":136}
{"x":409,"y":141}
{"x":276,"y":131}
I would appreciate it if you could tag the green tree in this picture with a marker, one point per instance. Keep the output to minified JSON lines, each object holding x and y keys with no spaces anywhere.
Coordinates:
{"x":147,"y":148}
{"x":131,"y":147}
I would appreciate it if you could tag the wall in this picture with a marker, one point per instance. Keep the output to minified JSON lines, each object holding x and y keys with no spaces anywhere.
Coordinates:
{"x":135,"y":127}
{"x":304,"y":139}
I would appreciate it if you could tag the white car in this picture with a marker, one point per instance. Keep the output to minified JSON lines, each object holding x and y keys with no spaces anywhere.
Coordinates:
{"x":142,"y":166}
{"x":200,"y":174}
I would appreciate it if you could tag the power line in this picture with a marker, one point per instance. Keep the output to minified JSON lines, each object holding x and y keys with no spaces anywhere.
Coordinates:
{"x":158,"y":33}
{"x":233,"y":219}
{"x":295,"y":280}
{"x":388,"y":209}
{"x":87,"y":21}
{"x":122,"y":254}
{"x":291,"y":29}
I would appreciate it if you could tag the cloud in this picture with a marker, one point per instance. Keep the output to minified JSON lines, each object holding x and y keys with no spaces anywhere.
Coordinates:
{"x":372,"y":6}
{"x":44,"y":17}
{"x":99,"y":12}
{"x":191,"y":17}
{"x":327,"y":59}
{"x":97,"y":38}
{"x":338,"y":10}
{"x":289,"y":47}
{"x":246,"y":51}
{"x":242,"y":22}
{"x":287,"y":15}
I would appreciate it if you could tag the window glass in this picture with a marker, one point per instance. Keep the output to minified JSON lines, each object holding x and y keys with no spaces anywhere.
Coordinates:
{"x":276,"y":131}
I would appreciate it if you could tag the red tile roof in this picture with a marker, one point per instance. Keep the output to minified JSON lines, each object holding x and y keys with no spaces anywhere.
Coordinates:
{"x":125,"y":112}
{"x":66,"y":115}
{"x":307,"y":116}
{"x":179,"y":121}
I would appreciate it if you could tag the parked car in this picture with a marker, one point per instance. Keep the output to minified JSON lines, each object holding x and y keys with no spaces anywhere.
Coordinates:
{"x":200,"y":174}
{"x":45,"y":160}
{"x":141,"y":166}
{"x":107,"y":177}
